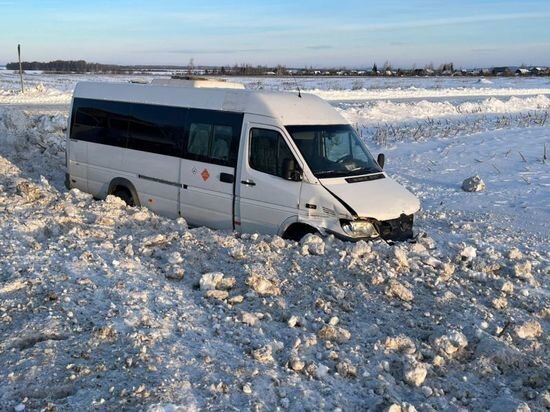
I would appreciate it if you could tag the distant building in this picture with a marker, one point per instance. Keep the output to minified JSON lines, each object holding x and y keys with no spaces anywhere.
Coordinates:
{"x":503,"y":71}
{"x":522,"y":72}
{"x":540,"y":70}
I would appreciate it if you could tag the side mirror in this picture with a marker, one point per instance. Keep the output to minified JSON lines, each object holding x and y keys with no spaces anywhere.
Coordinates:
{"x":291,"y":171}
{"x":381,"y":160}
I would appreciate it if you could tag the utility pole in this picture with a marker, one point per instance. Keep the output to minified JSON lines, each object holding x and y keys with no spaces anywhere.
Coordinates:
{"x":20,"y":68}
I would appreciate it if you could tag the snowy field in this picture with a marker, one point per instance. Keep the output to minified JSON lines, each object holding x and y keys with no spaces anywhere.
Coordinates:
{"x":105,"y":307}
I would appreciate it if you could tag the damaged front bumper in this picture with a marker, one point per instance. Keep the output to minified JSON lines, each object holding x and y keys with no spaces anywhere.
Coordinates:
{"x":399,"y":229}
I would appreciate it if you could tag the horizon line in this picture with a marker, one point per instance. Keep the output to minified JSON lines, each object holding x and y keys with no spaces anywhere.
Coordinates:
{"x":342,"y":67}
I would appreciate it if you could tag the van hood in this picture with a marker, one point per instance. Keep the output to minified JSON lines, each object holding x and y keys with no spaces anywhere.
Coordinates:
{"x":381,"y":199}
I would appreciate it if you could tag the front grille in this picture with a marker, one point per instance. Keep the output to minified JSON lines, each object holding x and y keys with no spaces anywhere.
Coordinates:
{"x":396,"y":229}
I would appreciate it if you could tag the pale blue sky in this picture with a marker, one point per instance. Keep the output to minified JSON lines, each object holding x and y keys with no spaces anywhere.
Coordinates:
{"x":295,"y":33}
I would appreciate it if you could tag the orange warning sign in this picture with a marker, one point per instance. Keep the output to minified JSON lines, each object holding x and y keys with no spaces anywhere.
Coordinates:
{"x":205,"y":175}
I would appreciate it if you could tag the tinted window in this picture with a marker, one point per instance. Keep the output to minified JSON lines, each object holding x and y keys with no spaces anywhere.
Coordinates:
{"x":213,"y":136}
{"x":268,"y":152}
{"x":157,"y":129}
{"x":100,"y":121}
{"x":221,"y":143}
{"x":199,"y":139}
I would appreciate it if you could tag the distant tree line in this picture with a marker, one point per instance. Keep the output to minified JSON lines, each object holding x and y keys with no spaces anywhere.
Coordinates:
{"x":71,"y":66}
{"x":446,"y":69}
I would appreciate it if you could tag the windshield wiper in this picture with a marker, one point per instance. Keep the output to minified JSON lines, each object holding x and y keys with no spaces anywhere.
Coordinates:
{"x":340,"y":173}
{"x":330,"y":173}
{"x":369,"y":170}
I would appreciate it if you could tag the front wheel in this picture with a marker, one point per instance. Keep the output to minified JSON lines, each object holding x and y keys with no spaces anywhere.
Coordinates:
{"x":298,"y":230}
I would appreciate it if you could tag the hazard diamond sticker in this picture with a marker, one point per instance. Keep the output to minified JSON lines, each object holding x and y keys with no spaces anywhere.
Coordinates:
{"x":205,"y":175}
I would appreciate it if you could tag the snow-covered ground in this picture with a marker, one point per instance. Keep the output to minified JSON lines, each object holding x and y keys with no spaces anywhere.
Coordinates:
{"x":104,"y":307}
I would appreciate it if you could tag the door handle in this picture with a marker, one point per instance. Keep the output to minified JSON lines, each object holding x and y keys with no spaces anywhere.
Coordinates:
{"x":248,"y":182}
{"x":227,"y":177}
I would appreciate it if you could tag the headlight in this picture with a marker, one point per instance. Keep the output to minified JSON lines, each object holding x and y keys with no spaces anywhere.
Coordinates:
{"x":359,"y":228}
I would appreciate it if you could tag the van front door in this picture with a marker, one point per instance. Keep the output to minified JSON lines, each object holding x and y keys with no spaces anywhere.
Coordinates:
{"x":265,"y":198}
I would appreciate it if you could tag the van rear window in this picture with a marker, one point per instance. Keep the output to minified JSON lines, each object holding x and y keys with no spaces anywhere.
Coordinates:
{"x":100,"y":122}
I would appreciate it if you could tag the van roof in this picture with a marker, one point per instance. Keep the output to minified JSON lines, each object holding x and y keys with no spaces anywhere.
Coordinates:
{"x":288,"y":108}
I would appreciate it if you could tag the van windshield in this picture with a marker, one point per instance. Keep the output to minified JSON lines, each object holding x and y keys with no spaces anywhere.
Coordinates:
{"x":333,"y":150}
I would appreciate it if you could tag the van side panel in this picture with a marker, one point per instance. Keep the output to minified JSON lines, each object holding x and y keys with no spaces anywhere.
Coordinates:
{"x":180,"y":161}
{"x":77,"y":160}
{"x":205,"y":199}
{"x":78,"y":165}
{"x":110,"y":130}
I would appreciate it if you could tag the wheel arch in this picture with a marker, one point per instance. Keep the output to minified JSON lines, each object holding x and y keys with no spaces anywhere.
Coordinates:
{"x":120,"y":182}
{"x":295,"y":229}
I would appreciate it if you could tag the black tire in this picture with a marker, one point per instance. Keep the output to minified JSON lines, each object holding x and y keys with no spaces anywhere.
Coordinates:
{"x":298,"y":230}
{"x":125,"y":195}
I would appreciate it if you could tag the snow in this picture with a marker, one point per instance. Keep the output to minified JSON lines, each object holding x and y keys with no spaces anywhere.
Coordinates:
{"x":36,"y":94}
{"x":414,"y":93}
{"x":108,"y":307}
{"x":398,"y":111}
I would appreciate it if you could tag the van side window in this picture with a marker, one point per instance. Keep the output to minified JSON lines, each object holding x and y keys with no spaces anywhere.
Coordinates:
{"x":221,"y":143}
{"x":199,"y":139}
{"x":213,"y":136}
{"x":268,"y":152}
{"x":157,"y":129}
{"x":198,"y":134}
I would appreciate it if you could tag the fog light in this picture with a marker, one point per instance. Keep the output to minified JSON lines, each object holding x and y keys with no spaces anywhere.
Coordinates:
{"x":359,"y":228}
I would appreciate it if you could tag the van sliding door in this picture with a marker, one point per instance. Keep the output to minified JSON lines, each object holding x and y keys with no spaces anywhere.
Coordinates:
{"x":208,"y":168}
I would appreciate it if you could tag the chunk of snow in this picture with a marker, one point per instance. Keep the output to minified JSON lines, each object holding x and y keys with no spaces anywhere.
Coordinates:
{"x":473,"y":184}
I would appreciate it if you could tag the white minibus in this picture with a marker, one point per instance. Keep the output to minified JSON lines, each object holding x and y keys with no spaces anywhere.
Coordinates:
{"x":233,"y":159}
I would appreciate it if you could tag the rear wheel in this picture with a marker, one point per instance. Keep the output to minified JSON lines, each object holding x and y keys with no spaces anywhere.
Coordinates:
{"x":125,"y":195}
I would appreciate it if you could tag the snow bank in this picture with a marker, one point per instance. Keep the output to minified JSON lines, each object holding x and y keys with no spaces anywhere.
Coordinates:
{"x":34,"y":95}
{"x":102,"y":310}
{"x":22,"y":129}
{"x":389,"y":111}
{"x":36,"y":140}
{"x":414,"y":93}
